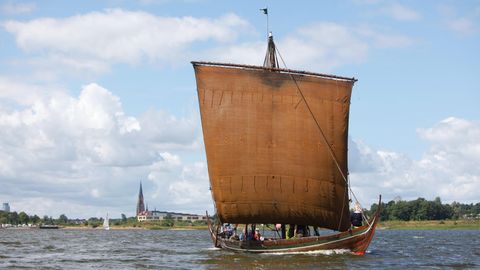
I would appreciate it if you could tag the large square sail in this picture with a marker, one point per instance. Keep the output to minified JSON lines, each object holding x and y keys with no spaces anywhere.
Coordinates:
{"x":267,"y":159}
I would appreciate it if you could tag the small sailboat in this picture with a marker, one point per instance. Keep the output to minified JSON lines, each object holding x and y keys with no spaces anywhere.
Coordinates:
{"x":106,"y":223}
{"x":276,"y":143}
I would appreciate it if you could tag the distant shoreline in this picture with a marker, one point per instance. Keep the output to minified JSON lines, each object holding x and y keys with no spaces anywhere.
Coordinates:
{"x":143,"y":227}
{"x":463,"y":224}
{"x":383,"y":225}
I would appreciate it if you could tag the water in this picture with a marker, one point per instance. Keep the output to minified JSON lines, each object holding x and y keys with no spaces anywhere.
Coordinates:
{"x":150,"y":249}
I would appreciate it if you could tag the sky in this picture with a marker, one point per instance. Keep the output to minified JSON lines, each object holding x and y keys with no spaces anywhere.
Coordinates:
{"x":96,"y":96}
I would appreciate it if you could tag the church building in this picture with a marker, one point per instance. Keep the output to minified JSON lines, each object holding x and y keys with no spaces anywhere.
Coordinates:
{"x":143,"y":214}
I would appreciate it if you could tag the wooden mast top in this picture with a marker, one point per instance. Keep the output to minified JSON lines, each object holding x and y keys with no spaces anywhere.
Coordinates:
{"x":271,"y":60}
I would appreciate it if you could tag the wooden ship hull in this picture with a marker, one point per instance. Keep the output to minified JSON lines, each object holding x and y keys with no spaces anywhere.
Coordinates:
{"x":355,"y":240}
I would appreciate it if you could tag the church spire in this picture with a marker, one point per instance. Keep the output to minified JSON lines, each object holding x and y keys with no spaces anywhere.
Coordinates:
{"x":140,"y":203}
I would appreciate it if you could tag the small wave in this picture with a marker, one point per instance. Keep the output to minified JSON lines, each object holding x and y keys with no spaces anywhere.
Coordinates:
{"x":328,"y":252}
{"x":212,"y":248}
{"x":10,"y":243}
{"x":49,"y":247}
{"x":418,"y":237}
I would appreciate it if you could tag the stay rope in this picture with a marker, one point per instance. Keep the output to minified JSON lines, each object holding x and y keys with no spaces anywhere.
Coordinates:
{"x":329,"y":147}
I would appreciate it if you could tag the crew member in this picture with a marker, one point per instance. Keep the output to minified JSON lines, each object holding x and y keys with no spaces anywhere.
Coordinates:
{"x":356,"y":217}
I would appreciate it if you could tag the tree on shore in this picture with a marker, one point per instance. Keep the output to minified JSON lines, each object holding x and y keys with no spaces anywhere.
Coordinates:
{"x":63,"y":219}
{"x":23,"y":218}
{"x":34,"y":219}
{"x":13,"y":218}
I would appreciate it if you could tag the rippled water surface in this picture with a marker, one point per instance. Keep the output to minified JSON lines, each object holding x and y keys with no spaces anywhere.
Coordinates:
{"x":144,"y":249}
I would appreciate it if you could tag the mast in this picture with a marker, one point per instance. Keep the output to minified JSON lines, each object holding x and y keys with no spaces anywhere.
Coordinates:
{"x":271,"y":60}
{"x":266,"y":162}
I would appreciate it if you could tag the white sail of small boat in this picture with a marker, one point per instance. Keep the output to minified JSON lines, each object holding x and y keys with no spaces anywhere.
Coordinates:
{"x":106,"y":223}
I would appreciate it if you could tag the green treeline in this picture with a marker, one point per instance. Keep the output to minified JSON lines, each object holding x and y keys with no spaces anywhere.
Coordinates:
{"x":14,"y":218}
{"x":421,"y":209}
{"x":22,"y":218}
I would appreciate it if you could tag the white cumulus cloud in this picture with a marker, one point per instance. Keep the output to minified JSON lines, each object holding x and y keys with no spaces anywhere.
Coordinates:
{"x":86,"y":152}
{"x":449,"y":168}
{"x":102,"y":38}
{"x":113,"y":36}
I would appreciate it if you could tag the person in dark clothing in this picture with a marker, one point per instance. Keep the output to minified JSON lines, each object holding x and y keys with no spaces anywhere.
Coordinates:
{"x":303,"y":231}
{"x":291,"y":230}
{"x":356,"y":217}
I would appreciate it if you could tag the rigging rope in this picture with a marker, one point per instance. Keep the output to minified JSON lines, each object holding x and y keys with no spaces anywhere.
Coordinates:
{"x":330,"y":150}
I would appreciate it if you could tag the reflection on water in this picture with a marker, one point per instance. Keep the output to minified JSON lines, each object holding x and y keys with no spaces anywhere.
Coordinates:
{"x":115,"y":249}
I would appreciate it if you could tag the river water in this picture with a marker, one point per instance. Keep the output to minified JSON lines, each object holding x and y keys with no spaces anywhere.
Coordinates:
{"x":151,"y":249}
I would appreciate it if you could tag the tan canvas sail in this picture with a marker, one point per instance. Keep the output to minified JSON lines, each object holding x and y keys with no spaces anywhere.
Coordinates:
{"x":267,"y":160}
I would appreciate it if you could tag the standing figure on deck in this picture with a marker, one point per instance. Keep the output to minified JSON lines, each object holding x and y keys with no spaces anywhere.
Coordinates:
{"x":291,"y":231}
{"x":356,"y":217}
{"x":257,"y":236}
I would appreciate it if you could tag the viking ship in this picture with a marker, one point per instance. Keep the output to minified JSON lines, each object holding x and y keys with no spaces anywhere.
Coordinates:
{"x":276,"y":147}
